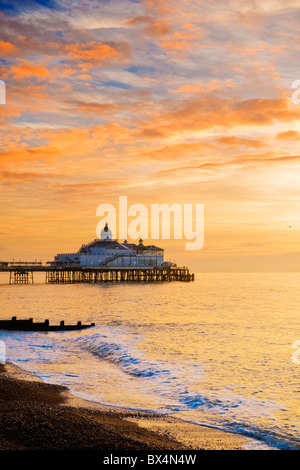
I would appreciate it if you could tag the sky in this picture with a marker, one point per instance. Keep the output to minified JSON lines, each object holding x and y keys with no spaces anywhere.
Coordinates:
{"x":162,"y":101}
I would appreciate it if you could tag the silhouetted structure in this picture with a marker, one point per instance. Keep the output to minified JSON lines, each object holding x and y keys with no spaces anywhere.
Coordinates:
{"x":29,"y":325}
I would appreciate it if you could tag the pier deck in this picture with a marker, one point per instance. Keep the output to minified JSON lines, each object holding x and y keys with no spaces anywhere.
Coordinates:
{"x":23,"y":274}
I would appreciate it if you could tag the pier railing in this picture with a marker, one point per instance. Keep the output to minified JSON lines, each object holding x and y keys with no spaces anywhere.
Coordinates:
{"x":24,"y":263}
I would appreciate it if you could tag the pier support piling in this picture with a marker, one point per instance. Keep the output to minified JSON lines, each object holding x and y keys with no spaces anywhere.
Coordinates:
{"x":21,"y":277}
{"x":94,"y":275}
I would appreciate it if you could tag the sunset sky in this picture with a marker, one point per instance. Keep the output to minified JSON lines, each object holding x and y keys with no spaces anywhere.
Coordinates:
{"x":162,"y":101}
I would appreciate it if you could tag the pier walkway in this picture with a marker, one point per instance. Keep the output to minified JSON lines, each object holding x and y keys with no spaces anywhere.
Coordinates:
{"x":22,"y":273}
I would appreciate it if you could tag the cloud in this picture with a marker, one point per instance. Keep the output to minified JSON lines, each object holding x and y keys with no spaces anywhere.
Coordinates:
{"x":238,"y":142}
{"x":207,"y":112}
{"x":177,"y":151}
{"x":152,"y":27}
{"x":15,"y":177}
{"x":92,"y":107}
{"x":7,"y":48}
{"x":26,"y":69}
{"x":55,"y":145}
{"x":93,"y":52}
{"x":288,"y":135}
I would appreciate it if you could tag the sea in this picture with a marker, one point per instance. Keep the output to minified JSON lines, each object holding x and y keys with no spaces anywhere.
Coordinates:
{"x":221,"y":351}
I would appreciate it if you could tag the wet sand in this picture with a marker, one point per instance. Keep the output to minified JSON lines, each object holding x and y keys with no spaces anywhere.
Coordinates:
{"x":39,"y":416}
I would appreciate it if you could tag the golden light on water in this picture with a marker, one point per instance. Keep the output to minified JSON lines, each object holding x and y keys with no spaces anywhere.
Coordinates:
{"x":216,"y":351}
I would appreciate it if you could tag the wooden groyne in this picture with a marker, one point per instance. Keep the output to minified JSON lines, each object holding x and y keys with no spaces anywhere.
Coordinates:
{"x":30,"y":325}
{"x":71,"y":275}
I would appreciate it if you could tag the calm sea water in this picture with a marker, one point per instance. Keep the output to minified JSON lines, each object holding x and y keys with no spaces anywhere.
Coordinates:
{"x":216,"y":351}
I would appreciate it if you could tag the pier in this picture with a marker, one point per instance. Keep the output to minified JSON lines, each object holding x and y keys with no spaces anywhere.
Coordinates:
{"x":96,"y":275}
{"x":22,"y":273}
{"x":104,"y":260}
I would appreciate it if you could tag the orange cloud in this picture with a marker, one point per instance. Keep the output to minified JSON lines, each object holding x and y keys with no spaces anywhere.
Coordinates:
{"x":13,"y":177}
{"x":7,"y":48}
{"x":182,"y":174}
{"x":212,"y":86}
{"x":177,"y":151}
{"x":174,"y":45}
{"x":20,"y":156}
{"x":95,"y":52}
{"x":160,"y":7}
{"x":26,"y":69}
{"x":288,"y":135}
{"x":202,"y":113}
{"x":93,"y":108}
{"x":182,"y":41}
{"x":151,"y":26}
{"x":75,"y":143}
{"x":236,"y":142}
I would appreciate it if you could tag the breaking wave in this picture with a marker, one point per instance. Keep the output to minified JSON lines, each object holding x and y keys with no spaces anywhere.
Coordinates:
{"x":123,"y":356}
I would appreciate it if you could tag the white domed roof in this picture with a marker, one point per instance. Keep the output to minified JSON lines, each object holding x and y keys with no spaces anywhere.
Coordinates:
{"x":106,"y":233}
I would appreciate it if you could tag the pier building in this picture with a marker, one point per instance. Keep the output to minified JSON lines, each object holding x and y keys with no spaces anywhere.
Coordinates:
{"x":109,"y":252}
